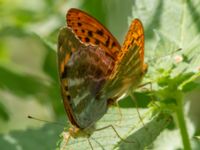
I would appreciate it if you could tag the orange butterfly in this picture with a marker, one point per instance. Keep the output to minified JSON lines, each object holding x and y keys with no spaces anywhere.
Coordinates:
{"x":94,"y":70}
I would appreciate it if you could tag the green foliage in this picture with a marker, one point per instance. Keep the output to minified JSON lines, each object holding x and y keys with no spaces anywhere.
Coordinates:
{"x":3,"y":112}
{"x":41,"y":138}
{"x":29,"y":79}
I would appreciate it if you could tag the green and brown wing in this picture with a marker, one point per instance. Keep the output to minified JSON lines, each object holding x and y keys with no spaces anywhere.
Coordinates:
{"x":67,"y":44}
{"x":83,"y":70}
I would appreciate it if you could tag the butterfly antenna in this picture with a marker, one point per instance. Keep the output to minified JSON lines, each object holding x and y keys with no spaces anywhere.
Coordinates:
{"x":52,"y":122}
{"x":169,"y":54}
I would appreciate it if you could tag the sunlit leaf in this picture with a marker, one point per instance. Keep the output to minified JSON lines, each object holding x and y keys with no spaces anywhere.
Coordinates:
{"x":128,"y":126}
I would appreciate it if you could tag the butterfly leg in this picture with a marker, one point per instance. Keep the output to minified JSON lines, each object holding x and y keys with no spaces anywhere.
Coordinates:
{"x":151,"y":89}
{"x":133,"y":99}
{"x":144,"y":84}
{"x":120,"y":113}
{"x":111,"y":126}
{"x":88,"y":139}
{"x":66,"y":136}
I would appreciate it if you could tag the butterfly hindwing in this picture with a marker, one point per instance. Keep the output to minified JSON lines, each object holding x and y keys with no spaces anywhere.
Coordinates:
{"x":83,"y":71}
{"x":67,"y":43}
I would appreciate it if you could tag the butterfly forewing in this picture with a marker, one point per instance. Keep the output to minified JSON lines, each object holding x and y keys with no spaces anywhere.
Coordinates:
{"x":89,"y":30}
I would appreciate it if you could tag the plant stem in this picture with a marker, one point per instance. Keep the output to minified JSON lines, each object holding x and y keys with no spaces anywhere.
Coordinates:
{"x":181,"y":122}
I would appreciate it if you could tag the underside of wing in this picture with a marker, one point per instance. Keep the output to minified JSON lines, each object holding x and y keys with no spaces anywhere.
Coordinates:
{"x":88,"y":70}
{"x":83,"y":71}
{"x":67,"y":44}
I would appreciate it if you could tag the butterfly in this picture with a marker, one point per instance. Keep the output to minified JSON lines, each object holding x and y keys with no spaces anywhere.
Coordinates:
{"x":94,"y":70}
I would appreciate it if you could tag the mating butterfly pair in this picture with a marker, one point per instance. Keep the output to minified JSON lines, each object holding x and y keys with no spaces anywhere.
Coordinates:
{"x":94,"y":69}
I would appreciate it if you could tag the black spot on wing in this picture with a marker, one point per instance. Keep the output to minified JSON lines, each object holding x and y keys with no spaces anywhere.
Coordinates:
{"x":99,"y":32}
{"x":83,"y":31}
{"x":66,"y":88}
{"x":69,"y":97}
{"x":113,"y":44}
{"x":64,"y":73}
{"x":90,"y":33}
{"x":87,"y":39}
{"x":107,"y":42}
{"x":79,"y":24}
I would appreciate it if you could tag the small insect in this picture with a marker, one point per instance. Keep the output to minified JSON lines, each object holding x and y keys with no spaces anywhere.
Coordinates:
{"x":94,"y":69}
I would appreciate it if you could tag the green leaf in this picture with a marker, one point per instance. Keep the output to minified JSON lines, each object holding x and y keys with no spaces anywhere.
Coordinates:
{"x":170,"y":25}
{"x":128,"y":126}
{"x":43,"y":138}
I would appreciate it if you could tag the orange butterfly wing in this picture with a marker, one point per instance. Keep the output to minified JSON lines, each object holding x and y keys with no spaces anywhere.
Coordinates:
{"x":89,"y":30}
{"x":130,"y":66}
{"x":135,"y":37}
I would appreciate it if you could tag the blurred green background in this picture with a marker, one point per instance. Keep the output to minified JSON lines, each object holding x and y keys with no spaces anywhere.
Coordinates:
{"x":28,"y":66}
